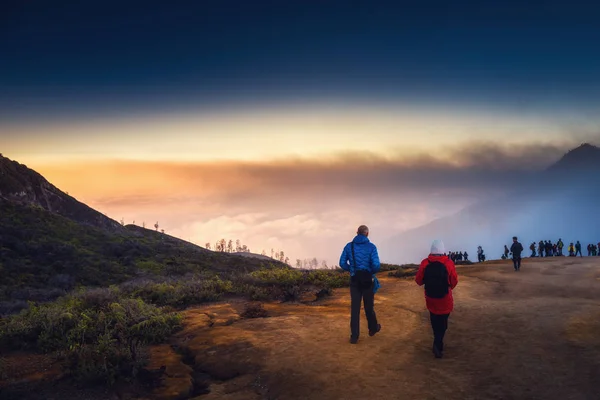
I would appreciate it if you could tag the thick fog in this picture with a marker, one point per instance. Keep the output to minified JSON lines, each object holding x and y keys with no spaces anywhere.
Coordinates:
{"x":312,"y":208}
{"x":549,"y":206}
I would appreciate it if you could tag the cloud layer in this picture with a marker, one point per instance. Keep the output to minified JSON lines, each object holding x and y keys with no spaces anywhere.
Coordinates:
{"x":305,"y":207}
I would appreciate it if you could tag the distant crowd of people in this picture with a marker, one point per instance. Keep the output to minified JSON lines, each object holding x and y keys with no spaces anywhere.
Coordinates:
{"x":545,"y":248}
{"x":458,"y":256}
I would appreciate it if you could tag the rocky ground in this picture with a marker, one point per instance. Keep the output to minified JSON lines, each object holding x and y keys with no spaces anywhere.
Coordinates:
{"x":531,"y":334}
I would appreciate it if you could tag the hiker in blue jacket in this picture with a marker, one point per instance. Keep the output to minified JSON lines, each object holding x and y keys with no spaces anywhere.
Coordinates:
{"x":360,"y":258}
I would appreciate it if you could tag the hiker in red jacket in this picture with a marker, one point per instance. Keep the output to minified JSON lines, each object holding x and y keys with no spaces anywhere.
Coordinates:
{"x":438,"y":273}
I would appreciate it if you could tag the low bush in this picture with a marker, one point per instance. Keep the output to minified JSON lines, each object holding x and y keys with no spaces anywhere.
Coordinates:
{"x":100,"y":334}
{"x":179,"y":293}
{"x":254,"y":310}
{"x":289,"y":285}
{"x":404,"y":272}
{"x":395,"y":267}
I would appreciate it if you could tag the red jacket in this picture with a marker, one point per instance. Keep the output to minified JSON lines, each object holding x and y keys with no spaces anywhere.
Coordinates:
{"x":445,"y":304}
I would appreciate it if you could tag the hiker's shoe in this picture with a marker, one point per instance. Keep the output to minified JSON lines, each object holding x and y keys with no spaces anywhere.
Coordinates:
{"x":437,"y":352}
{"x":353,"y":340}
{"x":372,"y":333}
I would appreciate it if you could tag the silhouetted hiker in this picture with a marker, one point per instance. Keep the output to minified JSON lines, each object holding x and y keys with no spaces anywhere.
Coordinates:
{"x":438,"y":274}
{"x":361,"y":259}
{"x":571,"y":250}
{"x":548,"y":246}
{"x":532,"y":248}
{"x":560,"y":246}
{"x":466,"y":256}
{"x":542,"y":247}
{"x":480,"y":255}
{"x":589,"y":250}
{"x":516,"y":249}
{"x":506,"y":252}
{"x":578,"y":249}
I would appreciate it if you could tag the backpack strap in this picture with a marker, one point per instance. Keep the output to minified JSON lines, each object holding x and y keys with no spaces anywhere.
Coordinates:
{"x":353,"y":266}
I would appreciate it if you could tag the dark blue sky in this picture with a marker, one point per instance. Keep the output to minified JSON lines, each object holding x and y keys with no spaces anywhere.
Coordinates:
{"x":74,"y":58}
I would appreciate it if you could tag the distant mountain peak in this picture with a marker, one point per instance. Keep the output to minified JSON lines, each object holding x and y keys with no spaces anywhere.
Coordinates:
{"x":583,"y":158}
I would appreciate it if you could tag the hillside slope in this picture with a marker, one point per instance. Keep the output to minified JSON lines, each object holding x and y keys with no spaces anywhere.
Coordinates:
{"x":19,"y":184}
{"x":43,"y":254}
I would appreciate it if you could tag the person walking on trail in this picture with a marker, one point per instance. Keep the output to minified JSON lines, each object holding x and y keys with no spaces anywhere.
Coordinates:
{"x":506,"y":252}
{"x":516,"y":249}
{"x":438,"y":273}
{"x":578,"y":249}
{"x":361,"y":259}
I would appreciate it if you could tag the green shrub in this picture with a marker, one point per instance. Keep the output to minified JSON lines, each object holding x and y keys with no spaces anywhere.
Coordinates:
{"x":179,"y":293}
{"x":289,"y":285}
{"x":404,"y":272}
{"x":101,"y":335}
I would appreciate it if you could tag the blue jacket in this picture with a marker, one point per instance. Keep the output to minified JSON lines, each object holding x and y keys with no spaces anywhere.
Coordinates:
{"x":366,"y":254}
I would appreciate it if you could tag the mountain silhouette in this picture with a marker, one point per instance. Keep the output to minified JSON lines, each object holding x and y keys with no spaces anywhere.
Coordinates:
{"x":585,"y":158}
{"x":560,"y":202}
{"x":21,"y":185}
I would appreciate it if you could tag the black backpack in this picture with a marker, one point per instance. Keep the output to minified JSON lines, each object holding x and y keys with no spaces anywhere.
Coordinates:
{"x":363,"y":279}
{"x":436,"y":280}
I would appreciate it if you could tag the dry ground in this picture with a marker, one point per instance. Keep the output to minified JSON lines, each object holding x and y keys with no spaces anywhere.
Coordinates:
{"x":533,"y":334}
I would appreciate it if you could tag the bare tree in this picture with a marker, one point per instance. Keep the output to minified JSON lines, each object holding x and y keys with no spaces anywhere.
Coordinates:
{"x":245,"y":249}
{"x":281,"y":256}
{"x":162,"y":231}
{"x":156,"y":226}
{"x":230,"y":246}
{"x":134,"y":222}
{"x":122,"y":221}
{"x":272,"y":251}
{"x":324,"y":264}
{"x":207,"y":245}
{"x":143,"y":224}
{"x":298,"y":263}
{"x":287,"y":261}
{"x":222,"y":245}
{"x":264,"y":253}
{"x":238,"y":246}
{"x":277,"y":255}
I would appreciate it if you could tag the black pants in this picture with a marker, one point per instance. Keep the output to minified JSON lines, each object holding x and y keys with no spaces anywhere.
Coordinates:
{"x":360,"y":294}
{"x":517,"y":262}
{"x":439,"y":324}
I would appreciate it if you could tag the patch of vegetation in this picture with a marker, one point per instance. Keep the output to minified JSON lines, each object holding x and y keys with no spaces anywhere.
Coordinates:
{"x":100,"y":334}
{"x":179,"y":293}
{"x":404,"y":271}
{"x":44,"y":256}
{"x":395,"y":267}
{"x":254,"y":310}
{"x":289,"y":285}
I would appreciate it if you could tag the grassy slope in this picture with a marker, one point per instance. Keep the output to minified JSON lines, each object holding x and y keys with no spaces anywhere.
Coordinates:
{"x":46,"y":252}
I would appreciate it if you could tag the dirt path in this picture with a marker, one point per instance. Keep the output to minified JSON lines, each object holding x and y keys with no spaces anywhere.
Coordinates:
{"x":533,"y":334}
